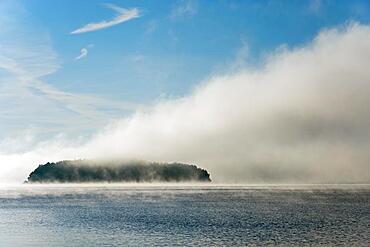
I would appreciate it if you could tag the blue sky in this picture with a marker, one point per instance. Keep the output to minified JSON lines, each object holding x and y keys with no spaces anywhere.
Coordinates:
{"x":164,"y":53}
{"x":246,"y":89}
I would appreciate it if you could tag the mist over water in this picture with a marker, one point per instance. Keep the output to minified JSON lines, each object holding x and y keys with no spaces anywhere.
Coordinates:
{"x":184,"y":215}
{"x":303,"y":116}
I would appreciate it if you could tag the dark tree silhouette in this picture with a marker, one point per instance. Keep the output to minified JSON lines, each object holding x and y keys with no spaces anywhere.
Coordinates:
{"x":81,"y":171}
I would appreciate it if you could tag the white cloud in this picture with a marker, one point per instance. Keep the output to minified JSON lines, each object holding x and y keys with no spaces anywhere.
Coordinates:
{"x":25,"y":65}
{"x":83,"y":53}
{"x":303,"y":117}
{"x":28,"y":102}
{"x":123,"y":16}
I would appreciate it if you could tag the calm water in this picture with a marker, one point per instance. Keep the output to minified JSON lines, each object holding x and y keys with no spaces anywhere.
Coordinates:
{"x":184,"y":216}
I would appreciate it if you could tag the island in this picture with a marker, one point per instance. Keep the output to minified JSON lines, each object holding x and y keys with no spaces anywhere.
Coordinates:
{"x":89,"y":171}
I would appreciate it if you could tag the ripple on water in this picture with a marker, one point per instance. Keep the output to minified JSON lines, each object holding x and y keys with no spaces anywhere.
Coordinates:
{"x":184,"y":216}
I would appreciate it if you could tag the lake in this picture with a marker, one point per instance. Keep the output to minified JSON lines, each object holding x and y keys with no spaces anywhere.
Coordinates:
{"x":184,"y":215}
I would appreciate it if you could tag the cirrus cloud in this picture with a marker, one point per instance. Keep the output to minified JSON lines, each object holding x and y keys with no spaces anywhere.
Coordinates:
{"x":123,"y":16}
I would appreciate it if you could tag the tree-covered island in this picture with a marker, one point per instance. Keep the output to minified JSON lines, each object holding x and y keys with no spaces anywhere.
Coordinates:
{"x":85,"y":171}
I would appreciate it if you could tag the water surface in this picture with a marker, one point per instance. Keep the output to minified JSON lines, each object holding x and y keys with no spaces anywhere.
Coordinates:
{"x":117,"y":215}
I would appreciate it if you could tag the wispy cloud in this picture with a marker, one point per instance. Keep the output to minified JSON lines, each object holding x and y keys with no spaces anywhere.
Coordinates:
{"x":184,"y":8}
{"x":293,"y":120}
{"x":83,"y":53}
{"x":123,"y":16}
{"x":27,"y":100}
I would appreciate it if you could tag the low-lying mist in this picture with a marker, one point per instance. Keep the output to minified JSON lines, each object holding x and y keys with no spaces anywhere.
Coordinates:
{"x":302,"y":117}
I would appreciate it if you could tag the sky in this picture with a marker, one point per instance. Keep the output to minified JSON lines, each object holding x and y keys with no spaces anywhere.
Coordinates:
{"x":242,"y":88}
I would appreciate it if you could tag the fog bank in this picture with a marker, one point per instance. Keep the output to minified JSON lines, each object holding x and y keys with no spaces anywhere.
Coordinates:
{"x":304,"y":116}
